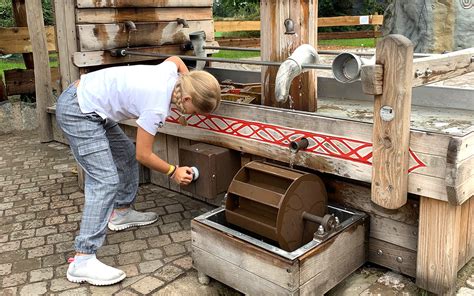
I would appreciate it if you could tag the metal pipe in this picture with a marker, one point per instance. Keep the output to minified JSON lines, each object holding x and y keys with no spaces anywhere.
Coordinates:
{"x":198,"y":40}
{"x":182,"y":22}
{"x":130,"y":26}
{"x":328,"y":221}
{"x":320,"y":52}
{"x":298,"y":145}
{"x":125,"y":52}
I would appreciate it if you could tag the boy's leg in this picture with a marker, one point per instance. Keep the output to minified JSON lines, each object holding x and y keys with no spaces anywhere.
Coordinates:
{"x":123,"y":152}
{"x":124,"y":155}
{"x":89,"y":144}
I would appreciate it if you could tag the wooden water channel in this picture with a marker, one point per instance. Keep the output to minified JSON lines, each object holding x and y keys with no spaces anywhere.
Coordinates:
{"x":413,"y":174}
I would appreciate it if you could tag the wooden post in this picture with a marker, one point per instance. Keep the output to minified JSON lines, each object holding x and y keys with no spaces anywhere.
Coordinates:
{"x":43,"y":89}
{"x":66,"y":40}
{"x":438,"y":246}
{"x":3,"y":90}
{"x":278,"y":46}
{"x":19,"y":13}
{"x":391,"y":132}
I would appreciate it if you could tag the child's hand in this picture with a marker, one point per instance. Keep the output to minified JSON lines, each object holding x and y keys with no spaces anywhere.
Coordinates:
{"x":183,"y":175}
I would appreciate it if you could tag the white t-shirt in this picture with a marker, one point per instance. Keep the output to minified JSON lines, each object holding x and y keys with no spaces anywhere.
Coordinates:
{"x":128,"y":92}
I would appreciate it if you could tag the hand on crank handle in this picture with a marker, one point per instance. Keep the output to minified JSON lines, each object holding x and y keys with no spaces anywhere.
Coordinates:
{"x":183,"y":175}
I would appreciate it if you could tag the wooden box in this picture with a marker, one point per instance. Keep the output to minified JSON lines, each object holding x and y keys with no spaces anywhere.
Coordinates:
{"x":255,"y":268}
{"x":217,"y":166}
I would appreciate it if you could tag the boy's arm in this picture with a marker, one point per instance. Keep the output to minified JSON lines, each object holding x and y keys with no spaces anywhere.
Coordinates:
{"x":145,"y":155}
{"x":182,"y":68}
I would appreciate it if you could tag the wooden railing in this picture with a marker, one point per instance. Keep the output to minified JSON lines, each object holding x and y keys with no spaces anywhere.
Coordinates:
{"x":372,"y":20}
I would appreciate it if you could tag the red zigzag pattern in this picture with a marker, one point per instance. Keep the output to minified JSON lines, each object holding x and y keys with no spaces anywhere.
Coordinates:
{"x":322,"y":144}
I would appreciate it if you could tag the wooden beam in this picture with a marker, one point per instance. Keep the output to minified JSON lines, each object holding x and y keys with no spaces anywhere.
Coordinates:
{"x":441,"y":67}
{"x":350,"y":20}
{"x":98,"y":58}
{"x":239,"y":42}
{"x":66,"y":40}
{"x":349,"y":35}
{"x":278,"y":46}
{"x":142,"y":3}
{"x":372,"y":79}
{"x":464,"y":228}
{"x":168,"y":14}
{"x":391,"y":132}
{"x":22,"y":81}
{"x":232,"y":26}
{"x":17,"y":40}
{"x":392,"y":256}
{"x":470,"y":227}
{"x":39,"y":44}
{"x":438,"y":246}
{"x":428,"y":150}
{"x":355,"y":195}
{"x":108,"y":36}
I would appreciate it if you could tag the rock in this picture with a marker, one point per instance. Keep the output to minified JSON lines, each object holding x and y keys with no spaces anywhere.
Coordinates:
{"x":441,"y":26}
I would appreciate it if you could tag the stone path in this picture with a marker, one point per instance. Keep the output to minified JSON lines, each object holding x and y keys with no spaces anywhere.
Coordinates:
{"x":40,"y":211}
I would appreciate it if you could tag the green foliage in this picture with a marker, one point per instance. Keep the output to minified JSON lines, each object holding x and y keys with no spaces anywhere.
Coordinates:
{"x":244,"y":10}
{"x":373,"y":7}
{"x":327,"y":8}
{"x":6,"y":13}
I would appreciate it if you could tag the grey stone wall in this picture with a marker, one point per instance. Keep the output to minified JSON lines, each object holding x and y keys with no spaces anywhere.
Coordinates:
{"x":433,"y":26}
{"x":17,"y":116}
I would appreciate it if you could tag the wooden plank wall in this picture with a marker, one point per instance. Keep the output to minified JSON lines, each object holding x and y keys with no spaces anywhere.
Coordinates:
{"x":105,"y":25}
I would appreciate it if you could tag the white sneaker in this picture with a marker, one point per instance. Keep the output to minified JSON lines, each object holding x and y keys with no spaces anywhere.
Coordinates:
{"x":94,"y":272}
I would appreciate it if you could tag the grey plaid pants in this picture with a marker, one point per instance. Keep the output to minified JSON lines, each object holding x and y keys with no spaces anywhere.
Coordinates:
{"x":107,"y":156}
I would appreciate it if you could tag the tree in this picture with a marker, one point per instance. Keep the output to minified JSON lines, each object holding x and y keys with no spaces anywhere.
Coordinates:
{"x":6,"y":13}
{"x":247,"y":9}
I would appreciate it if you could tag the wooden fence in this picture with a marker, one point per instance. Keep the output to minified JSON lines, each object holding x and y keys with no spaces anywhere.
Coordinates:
{"x":16,"y":40}
{"x":375,"y":21}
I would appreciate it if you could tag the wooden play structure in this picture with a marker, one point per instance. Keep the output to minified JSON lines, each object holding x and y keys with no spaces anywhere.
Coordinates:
{"x":387,"y":146}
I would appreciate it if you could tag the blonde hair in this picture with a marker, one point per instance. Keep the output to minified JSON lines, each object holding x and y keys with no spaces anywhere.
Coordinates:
{"x":202,"y":87}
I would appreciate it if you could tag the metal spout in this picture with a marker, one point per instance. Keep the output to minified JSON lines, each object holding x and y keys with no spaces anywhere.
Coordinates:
{"x":198,"y":40}
{"x":182,"y":22}
{"x":298,"y":145}
{"x":292,"y":67}
{"x":289,"y":26}
{"x":346,"y":66}
{"x":130,"y":26}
